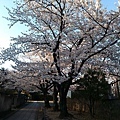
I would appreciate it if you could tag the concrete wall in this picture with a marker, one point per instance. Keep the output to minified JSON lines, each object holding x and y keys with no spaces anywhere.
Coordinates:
{"x":7,"y":102}
{"x":17,"y":101}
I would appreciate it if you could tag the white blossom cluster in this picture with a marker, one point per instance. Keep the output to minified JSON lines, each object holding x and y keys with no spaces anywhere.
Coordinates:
{"x":65,"y":37}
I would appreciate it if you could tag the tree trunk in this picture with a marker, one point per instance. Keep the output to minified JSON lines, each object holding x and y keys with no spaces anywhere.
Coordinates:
{"x":63,"y":101}
{"x":118,"y":93}
{"x":46,"y":100}
{"x":91,"y":107}
{"x":55,"y":99}
{"x":63,"y":105}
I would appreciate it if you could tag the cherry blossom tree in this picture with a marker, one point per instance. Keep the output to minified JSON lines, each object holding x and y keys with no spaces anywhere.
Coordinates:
{"x":6,"y":79}
{"x":44,"y":86}
{"x":36,"y":73}
{"x":8,"y":84}
{"x":3,"y":77}
{"x":76,"y":34}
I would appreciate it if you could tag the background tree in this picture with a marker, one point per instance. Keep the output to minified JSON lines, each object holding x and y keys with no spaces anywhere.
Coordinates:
{"x":3,"y":80}
{"x":77,"y":34}
{"x":38,"y":74}
{"x":94,"y":87}
{"x":6,"y":79}
{"x":44,"y":87}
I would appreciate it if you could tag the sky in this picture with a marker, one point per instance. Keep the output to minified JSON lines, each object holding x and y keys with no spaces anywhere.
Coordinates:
{"x":6,"y":33}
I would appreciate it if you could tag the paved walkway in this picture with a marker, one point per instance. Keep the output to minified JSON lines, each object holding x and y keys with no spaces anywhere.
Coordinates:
{"x":29,"y":112}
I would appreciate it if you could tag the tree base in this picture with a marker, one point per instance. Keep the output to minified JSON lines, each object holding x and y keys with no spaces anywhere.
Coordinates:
{"x":65,"y":116}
